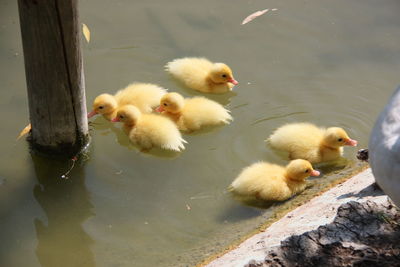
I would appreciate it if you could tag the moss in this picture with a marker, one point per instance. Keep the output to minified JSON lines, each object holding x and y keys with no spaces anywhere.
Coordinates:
{"x":61,"y":150}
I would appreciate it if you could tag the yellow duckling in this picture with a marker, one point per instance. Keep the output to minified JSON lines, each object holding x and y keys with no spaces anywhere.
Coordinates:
{"x":144,"y":96}
{"x":202,"y":75}
{"x":309,"y":142}
{"x":193,"y":113}
{"x":149,"y":130}
{"x":272,"y":182}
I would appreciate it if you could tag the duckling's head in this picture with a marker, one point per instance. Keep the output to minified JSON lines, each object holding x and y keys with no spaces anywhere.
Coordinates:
{"x":103,"y":104}
{"x":300,"y":169}
{"x":128,"y":115}
{"x":221,"y":73}
{"x":336,"y":137}
{"x":171,"y":102}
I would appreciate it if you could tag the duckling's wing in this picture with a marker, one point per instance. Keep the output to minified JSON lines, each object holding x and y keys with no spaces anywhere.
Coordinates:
{"x":192,"y":72}
{"x":206,"y":111}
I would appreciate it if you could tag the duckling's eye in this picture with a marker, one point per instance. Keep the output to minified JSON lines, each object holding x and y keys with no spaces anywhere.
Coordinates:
{"x":101,"y":107}
{"x":224,"y":75}
{"x":121,"y":116}
{"x":340,"y":139}
{"x":165,"y":104}
{"x":307,"y":171}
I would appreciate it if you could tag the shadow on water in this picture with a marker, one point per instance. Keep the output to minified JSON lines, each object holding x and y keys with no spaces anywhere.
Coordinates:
{"x":244,"y":208}
{"x":237,"y":212}
{"x":223,"y":99}
{"x":105,"y":127}
{"x":331,"y":167}
{"x":66,"y":202}
{"x":208,"y":129}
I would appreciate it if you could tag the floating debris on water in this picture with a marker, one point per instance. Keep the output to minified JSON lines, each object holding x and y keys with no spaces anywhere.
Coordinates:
{"x":24,"y":131}
{"x":65,"y":175}
{"x":254,"y":15}
{"x":86,"y":32}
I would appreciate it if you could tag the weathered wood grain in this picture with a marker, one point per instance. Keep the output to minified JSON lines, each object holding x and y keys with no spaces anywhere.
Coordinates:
{"x":54,"y":75}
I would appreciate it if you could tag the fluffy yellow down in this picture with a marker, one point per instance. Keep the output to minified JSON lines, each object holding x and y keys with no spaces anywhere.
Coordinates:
{"x":150,"y":130}
{"x":272,"y":182}
{"x":191,"y":114}
{"x":202,"y":75}
{"x":307,"y":141}
{"x":144,"y":96}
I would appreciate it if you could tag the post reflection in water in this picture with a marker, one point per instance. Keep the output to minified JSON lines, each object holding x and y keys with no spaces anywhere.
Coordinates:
{"x":62,"y":241}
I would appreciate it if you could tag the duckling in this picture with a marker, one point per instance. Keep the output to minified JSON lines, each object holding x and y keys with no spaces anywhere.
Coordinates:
{"x":144,"y":96}
{"x":193,"y":113}
{"x":202,"y":75}
{"x":149,"y":130}
{"x":307,"y":141}
{"x":273,"y":182}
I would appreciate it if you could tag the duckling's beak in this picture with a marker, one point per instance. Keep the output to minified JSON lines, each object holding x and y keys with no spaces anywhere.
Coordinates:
{"x":233,"y":81}
{"x":115,"y":120}
{"x":159,"y":109}
{"x":91,"y":114}
{"x":315,"y":173}
{"x":350,"y":142}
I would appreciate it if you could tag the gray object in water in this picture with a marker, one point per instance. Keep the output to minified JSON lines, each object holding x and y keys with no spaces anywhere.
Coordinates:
{"x":384,"y":148}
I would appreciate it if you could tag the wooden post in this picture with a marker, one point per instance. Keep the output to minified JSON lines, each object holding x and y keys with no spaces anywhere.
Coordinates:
{"x":54,"y":75}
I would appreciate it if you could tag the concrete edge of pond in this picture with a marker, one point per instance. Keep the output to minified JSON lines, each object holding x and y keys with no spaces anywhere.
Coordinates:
{"x":318,"y":211}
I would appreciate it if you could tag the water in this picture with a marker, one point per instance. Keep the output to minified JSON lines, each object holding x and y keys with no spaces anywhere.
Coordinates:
{"x":327,"y":62}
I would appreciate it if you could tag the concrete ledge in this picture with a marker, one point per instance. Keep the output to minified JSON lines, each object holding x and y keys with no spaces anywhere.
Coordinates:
{"x":318,"y":211}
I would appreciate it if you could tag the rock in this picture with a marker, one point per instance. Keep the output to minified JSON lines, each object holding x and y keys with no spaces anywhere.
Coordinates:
{"x":362,"y":154}
{"x":253,"y":263}
{"x":362,"y":234}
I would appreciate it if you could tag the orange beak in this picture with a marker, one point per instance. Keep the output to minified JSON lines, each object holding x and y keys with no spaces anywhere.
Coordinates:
{"x":115,"y":120}
{"x":350,"y":142}
{"x":159,"y":109}
{"x":233,"y":81}
{"x":315,"y":173}
{"x":91,"y":114}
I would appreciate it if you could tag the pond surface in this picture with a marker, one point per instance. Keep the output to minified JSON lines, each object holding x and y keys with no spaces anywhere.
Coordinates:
{"x":327,"y":62}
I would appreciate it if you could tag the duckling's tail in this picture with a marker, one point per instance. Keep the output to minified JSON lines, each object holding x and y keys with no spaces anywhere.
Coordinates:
{"x":228,"y":118}
{"x":268,"y":141}
{"x":181,"y":145}
{"x":167,"y":67}
{"x":176,"y":146}
{"x":230,"y":188}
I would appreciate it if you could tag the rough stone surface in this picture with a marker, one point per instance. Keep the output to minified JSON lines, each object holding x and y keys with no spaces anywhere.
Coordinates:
{"x":362,"y":234}
{"x":319,"y":211}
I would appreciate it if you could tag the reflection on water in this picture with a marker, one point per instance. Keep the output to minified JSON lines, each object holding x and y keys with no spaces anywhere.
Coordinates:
{"x":237,"y":213}
{"x":223,"y":99}
{"x":332,"y":63}
{"x":62,"y":240}
{"x":105,"y":127}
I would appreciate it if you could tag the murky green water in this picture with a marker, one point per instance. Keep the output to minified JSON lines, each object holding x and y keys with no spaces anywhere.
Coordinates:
{"x":328,"y":62}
